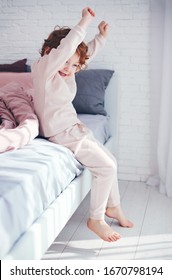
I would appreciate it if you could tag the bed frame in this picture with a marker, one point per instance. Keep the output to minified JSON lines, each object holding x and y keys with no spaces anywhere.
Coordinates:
{"x":36,"y":240}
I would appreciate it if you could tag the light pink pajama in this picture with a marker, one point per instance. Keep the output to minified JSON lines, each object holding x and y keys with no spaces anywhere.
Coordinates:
{"x":53,"y":96}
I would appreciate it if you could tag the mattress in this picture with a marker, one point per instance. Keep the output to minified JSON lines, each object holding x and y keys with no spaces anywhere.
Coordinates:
{"x":31,"y":178}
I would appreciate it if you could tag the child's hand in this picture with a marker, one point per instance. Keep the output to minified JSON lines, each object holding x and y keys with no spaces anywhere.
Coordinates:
{"x":87,"y":16}
{"x":87,"y":12}
{"x":103,"y":28}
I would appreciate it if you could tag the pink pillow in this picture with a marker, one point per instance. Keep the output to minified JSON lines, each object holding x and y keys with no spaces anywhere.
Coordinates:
{"x":23,"y":79}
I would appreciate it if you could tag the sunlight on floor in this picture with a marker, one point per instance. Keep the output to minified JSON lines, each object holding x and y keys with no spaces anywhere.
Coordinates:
{"x":145,"y":247}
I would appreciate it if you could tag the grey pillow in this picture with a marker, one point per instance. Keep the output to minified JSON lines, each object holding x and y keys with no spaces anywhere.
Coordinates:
{"x":91,"y":86}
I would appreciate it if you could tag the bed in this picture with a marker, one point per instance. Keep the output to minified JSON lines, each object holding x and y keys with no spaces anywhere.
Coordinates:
{"x":42,"y":184}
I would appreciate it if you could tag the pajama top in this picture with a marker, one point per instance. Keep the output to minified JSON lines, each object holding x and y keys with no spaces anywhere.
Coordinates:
{"x":53,"y":95}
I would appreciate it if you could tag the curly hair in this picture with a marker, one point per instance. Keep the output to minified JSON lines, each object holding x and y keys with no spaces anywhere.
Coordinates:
{"x":54,"y":39}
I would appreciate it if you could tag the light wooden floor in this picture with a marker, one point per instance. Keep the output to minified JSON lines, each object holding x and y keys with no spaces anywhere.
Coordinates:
{"x":150,"y":238}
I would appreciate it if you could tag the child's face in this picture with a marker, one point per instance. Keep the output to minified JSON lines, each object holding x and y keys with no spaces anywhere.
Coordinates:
{"x":70,"y":67}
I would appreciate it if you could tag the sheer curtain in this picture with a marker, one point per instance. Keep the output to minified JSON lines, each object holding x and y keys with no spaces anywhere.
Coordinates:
{"x":161,"y":95}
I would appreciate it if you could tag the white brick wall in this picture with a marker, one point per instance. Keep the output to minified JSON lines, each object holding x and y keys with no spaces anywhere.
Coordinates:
{"x":25,"y":23}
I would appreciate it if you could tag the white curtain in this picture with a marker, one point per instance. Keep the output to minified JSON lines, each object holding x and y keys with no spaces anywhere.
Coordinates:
{"x":161,"y":95}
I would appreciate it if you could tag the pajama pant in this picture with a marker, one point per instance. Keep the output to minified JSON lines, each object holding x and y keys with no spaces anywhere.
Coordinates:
{"x":101,"y":163}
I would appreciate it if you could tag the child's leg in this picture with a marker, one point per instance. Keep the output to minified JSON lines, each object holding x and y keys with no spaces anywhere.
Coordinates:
{"x":113,"y":208}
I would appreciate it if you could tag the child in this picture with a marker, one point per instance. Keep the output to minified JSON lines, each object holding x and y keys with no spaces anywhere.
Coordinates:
{"x":62,"y":55}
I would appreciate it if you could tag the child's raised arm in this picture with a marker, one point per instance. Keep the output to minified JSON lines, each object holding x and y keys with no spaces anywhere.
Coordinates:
{"x":99,"y":40}
{"x":87,"y":16}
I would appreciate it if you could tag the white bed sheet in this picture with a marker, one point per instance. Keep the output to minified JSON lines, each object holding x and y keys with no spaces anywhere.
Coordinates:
{"x":32,"y":177}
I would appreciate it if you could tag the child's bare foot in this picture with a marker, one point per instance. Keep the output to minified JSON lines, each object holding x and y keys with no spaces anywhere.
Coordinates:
{"x":103,"y":230}
{"x":117,"y":213}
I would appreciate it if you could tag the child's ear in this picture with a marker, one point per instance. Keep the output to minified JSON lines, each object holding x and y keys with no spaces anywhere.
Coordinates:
{"x":47,"y":50}
{"x":79,"y":69}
